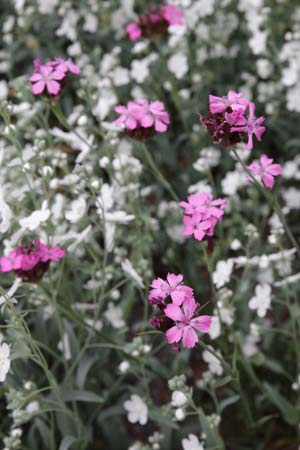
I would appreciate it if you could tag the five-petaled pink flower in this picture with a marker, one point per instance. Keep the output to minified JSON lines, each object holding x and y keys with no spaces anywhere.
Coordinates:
{"x":134,"y":31}
{"x":30,"y":261}
{"x":185,"y":323}
{"x":201,"y":214}
{"x":252,"y":125}
{"x":172,"y":14}
{"x":266,"y":170}
{"x":142,"y":119}
{"x":172,"y":286}
{"x":233,"y":99}
{"x":48,"y":77}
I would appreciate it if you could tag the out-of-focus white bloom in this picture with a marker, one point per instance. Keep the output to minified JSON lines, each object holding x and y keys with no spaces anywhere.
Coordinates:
{"x":10,"y":293}
{"x":235,"y":244}
{"x":132,"y":273}
{"x":64,"y":347}
{"x":262,"y":300}
{"x":232,"y":182}
{"x":137,"y":410}
{"x":120,"y":76}
{"x":114,"y":315}
{"x":215,"y":328}
{"x":5,"y":216}
{"x":77,"y":210}
{"x":3,"y":90}
{"x":91,"y":23}
{"x":209,"y":157}
{"x":47,"y":6}
{"x":178,"y":399}
{"x":180,"y":414}
{"x":249,"y":346}
{"x":140,"y":70}
{"x":32,"y":407}
{"x":124,"y":366}
{"x":291,"y":197}
{"x":192,"y":443}
{"x":35,"y":219}
{"x":214,"y":364}
{"x":221,"y":275}
{"x":178,"y":65}
{"x":4,"y":361}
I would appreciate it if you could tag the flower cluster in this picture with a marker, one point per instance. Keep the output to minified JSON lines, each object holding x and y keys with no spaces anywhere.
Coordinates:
{"x":30,"y":261}
{"x":201,"y":215}
{"x":142,"y":120}
{"x":265,"y":170}
{"x":152,"y":24}
{"x":48,"y":78}
{"x":232,"y":117}
{"x":177,"y":307}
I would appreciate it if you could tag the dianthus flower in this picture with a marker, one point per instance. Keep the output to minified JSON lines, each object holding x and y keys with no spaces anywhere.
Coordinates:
{"x":266,"y":170}
{"x":228,"y":121}
{"x":30,"y":261}
{"x":48,"y":78}
{"x":201,"y":214}
{"x":154,"y":23}
{"x":142,"y":120}
{"x":185,"y":323}
{"x":172,"y":286}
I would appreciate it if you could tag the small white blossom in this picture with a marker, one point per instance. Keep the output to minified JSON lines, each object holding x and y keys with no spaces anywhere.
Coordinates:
{"x":114,"y":315}
{"x":262,"y":300}
{"x":4,"y":361}
{"x":137,"y":410}
{"x":214,"y":364}
{"x":77,"y":210}
{"x":221,"y":276}
{"x":178,"y":399}
{"x":35,"y":219}
{"x":192,"y":443}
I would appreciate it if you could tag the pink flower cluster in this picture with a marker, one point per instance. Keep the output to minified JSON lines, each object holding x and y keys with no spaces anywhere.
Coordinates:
{"x":265,"y":170}
{"x":177,"y":307}
{"x":142,"y":119}
{"x":232,"y":117}
{"x":48,"y":77}
{"x":201,"y":215}
{"x":154,"y":23}
{"x":30,"y":261}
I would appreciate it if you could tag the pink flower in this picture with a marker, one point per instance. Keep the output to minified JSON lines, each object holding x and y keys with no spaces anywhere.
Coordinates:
{"x":202,"y":213}
{"x":30,"y":261}
{"x":172,"y":14}
{"x":234,"y":100}
{"x":185,"y":324}
{"x":251,"y":126}
{"x":47,"y":77}
{"x":134,"y":31}
{"x":47,"y":80}
{"x":144,"y":117}
{"x":172,"y":287}
{"x":266,"y":170}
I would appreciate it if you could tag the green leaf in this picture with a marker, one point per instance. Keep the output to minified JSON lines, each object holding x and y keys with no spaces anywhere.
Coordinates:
{"x":82,"y":396}
{"x":84,"y":366}
{"x":157,"y":416}
{"x":229,"y":401}
{"x":67,"y":442}
{"x":288,"y":411}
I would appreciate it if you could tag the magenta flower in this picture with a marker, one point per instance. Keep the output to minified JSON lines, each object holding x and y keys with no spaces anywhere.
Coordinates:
{"x":172,"y":14}
{"x":173,"y":287}
{"x":30,"y":261}
{"x":48,"y":77}
{"x":185,"y":324}
{"x":266,"y":170}
{"x":251,"y":126}
{"x":142,"y":119}
{"x":233,"y":99}
{"x":202,"y":213}
{"x":134,"y":31}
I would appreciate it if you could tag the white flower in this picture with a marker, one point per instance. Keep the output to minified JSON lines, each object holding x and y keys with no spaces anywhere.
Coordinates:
{"x":192,"y":443}
{"x":140,"y":70}
{"x":33,"y":221}
{"x":4,"y":361}
{"x":249,"y":346}
{"x":178,"y":399}
{"x":124,"y":366}
{"x":180,"y":414}
{"x":178,"y":65}
{"x":221,"y":275}
{"x":64,"y":347}
{"x":5,"y":216}
{"x":137,"y":410}
{"x":77,"y":210}
{"x":214,"y":364}
{"x":32,"y":407}
{"x":114,"y":315}
{"x":215,"y":328}
{"x":132,"y":273}
{"x":262,"y":300}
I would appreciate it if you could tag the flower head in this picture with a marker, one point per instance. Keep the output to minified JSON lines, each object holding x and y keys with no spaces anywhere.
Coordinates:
{"x":266,"y":170}
{"x":142,"y":119}
{"x":262,"y":300}
{"x":4,"y":361}
{"x":201,"y":214}
{"x":30,"y":261}
{"x":186,"y":323}
{"x":172,"y":14}
{"x":137,"y":410}
{"x":172,"y":286}
{"x":48,"y":77}
{"x":134,"y":31}
{"x":227,"y":121}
